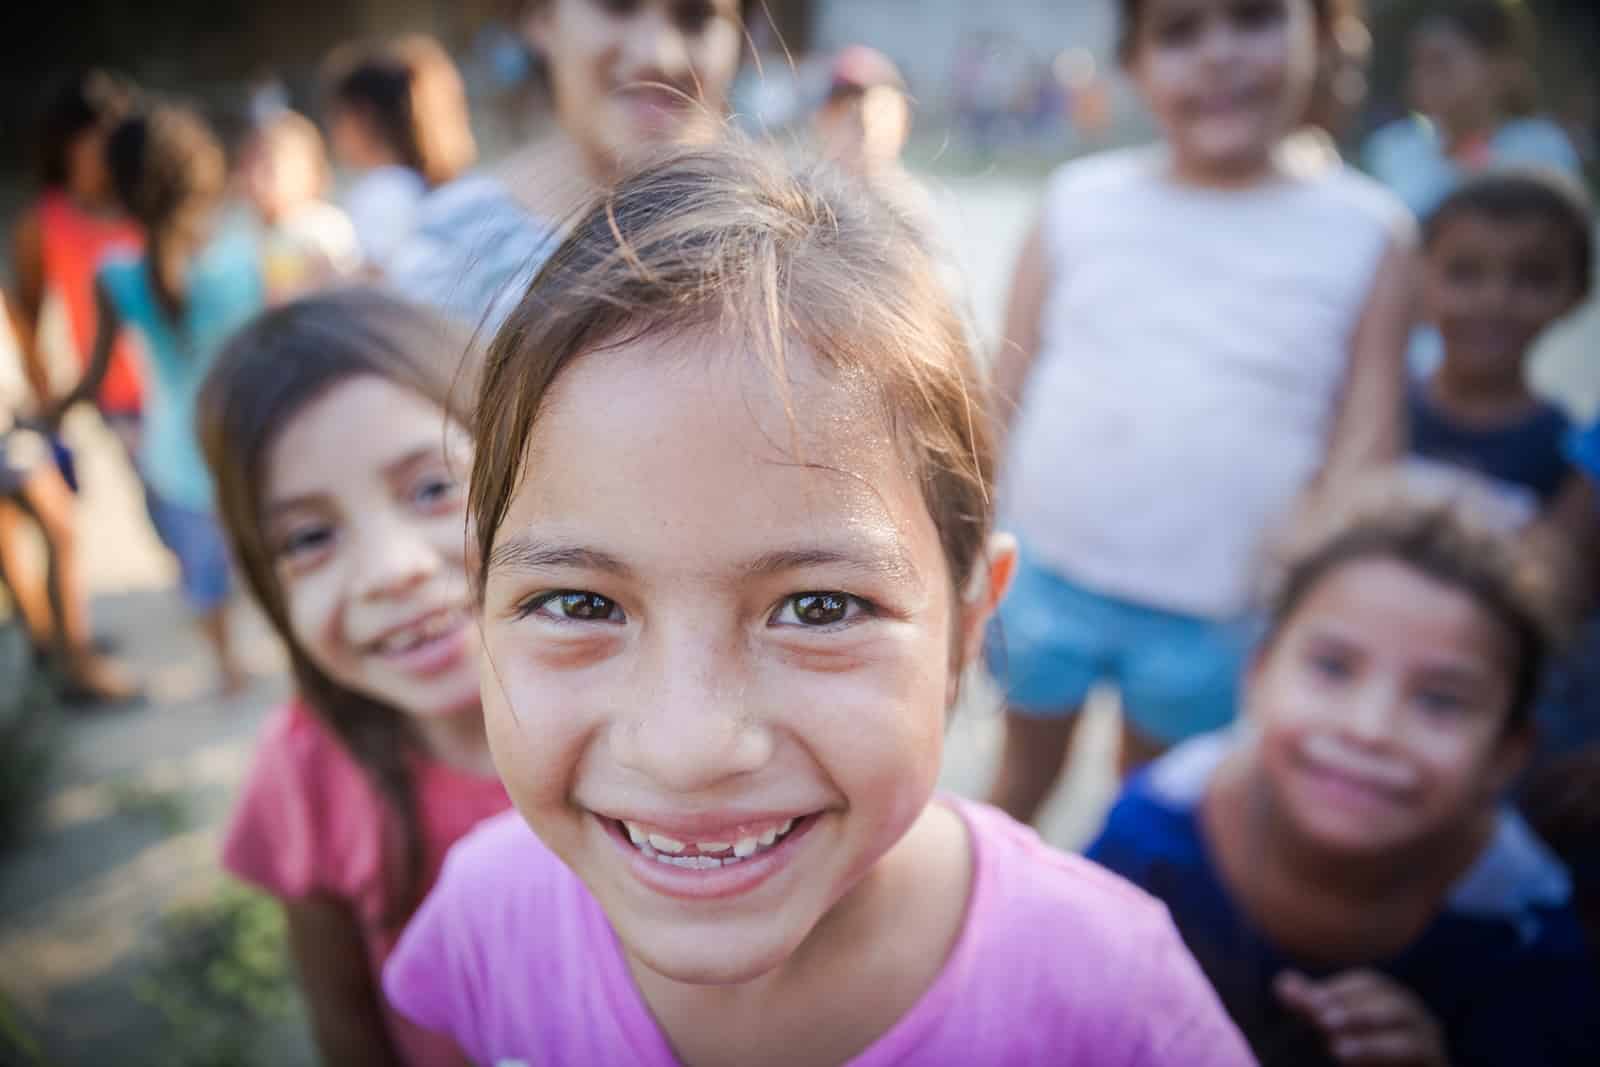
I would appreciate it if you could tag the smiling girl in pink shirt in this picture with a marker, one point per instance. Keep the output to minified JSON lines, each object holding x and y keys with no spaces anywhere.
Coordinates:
{"x":732,"y":521}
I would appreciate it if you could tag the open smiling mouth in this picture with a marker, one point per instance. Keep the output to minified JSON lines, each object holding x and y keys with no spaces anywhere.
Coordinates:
{"x":751,"y":843}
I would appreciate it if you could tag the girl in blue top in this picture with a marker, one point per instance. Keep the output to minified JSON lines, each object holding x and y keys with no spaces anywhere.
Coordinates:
{"x":1344,"y":866}
{"x":193,"y":285}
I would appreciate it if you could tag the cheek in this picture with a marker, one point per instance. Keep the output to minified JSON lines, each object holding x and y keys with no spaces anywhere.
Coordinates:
{"x":313,"y":604}
{"x":715,"y":57}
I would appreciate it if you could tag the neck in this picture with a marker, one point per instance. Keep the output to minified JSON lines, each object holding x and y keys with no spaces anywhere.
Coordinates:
{"x":1481,"y":400}
{"x":1241,"y":174}
{"x":458,"y":740}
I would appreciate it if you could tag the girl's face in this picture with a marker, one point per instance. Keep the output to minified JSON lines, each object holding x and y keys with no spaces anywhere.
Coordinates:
{"x":720,"y":636}
{"x":1452,"y":80}
{"x":631,"y":75}
{"x":281,"y":177}
{"x":1226,"y":79}
{"x":366,"y":522}
{"x":1381,"y":708}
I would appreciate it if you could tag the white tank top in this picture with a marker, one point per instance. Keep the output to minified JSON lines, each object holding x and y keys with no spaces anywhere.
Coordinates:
{"x":1194,"y":344}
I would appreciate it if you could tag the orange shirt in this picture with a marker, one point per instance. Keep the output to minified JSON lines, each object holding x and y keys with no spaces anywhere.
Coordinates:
{"x":73,"y":243}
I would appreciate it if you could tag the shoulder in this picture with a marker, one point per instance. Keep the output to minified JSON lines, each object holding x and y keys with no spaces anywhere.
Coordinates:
{"x":1363,"y":198}
{"x":1075,"y":935}
{"x":1105,"y":170}
{"x":1398,"y":137}
{"x":1536,"y":141}
{"x":1516,"y":880}
{"x":1153,"y":819}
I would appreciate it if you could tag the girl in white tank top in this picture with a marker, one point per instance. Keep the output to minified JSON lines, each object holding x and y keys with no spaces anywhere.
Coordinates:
{"x":1198,"y":333}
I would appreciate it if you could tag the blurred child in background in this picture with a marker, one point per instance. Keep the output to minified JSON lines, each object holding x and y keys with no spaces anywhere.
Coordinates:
{"x":1179,"y":372}
{"x":1507,"y":256}
{"x":305,"y":241}
{"x":65,"y":234}
{"x":1344,"y":864}
{"x":863,"y":126}
{"x":433,"y":229}
{"x":625,"y":80}
{"x":194,"y":284}
{"x":334,"y":428}
{"x":1471,"y":77}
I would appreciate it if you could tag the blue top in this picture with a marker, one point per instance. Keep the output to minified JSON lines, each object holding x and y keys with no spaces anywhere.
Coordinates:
{"x":223,"y":289}
{"x":1528,"y":454}
{"x":1408,"y":157}
{"x":1504,"y":967}
{"x":1583,"y":448}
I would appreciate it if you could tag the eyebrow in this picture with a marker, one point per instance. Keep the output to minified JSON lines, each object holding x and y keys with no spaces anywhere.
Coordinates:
{"x":390,"y":469}
{"x":528,"y":554}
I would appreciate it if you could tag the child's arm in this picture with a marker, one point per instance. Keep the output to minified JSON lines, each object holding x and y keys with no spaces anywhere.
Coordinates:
{"x":27,"y":258}
{"x":1019,"y":344}
{"x":1369,"y":1019}
{"x":1368,"y":428}
{"x":107,"y":324}
{"x":340,"y":988}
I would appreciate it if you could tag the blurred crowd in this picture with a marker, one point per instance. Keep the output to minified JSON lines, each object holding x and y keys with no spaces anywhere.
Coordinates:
{"x":1265,"y":457}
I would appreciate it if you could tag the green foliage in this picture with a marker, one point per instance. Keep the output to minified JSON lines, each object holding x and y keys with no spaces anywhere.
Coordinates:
{"x":29,"y":735}
{"x":221,"y":981}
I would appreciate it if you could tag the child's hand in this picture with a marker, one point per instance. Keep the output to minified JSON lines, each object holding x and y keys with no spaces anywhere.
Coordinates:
{"x":1367,"y":1018}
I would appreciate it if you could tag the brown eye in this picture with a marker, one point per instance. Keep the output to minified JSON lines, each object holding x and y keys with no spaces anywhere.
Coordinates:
{"x":572,"y":606}
{"x":820,"y":610}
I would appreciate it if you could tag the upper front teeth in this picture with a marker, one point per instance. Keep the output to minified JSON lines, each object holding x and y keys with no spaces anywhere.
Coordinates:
{"x":670,"y":849}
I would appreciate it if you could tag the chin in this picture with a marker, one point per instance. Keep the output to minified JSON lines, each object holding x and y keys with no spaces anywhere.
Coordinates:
{"x":707,"y":957}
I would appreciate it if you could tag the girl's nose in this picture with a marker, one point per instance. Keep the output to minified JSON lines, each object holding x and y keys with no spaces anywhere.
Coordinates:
{"x":655,"y":48}
{"x":692,"y":725}
{"x":1370,"y":717}
{"x":391,"y":559}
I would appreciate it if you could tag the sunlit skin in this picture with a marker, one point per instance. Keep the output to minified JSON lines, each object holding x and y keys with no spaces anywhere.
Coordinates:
{"x":660,"y":650}
{"x":865,"y":132}
{"x":629,"y":76}
{"x":1381,"y":711}
{"x":1492,"y":287}
{"x":1226,"y":80}
{"x":281,"y":175}
{"x":365,"y":514}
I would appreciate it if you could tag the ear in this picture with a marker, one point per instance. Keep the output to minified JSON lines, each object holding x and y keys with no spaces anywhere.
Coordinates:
{"x":985,"y":589}
{"x":1511,"y":756}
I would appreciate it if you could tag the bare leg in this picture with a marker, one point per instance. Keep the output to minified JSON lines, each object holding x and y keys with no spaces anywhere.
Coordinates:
{"x":27,"y":583}
{"x":54,"y":508}
{"x":1137,"y":749}
{"x":219,"y":635}
{"x":1031,"y":760}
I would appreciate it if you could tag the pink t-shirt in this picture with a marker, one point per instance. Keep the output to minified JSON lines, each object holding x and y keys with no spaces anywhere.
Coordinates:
{"x":1058,"y":961}
{"x":310,"y":821}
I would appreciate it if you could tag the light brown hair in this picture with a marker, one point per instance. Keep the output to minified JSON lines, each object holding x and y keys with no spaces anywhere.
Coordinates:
{"x":281,"y":362}
{"x":732,"y":238}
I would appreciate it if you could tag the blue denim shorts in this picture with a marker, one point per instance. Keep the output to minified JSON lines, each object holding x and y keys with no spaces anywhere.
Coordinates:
{"x":195,"y":538}
{"x":1052,"y":641}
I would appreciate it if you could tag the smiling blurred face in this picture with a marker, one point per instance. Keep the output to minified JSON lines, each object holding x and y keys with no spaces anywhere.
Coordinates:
{"x":1226,"y":79}
{"x":718,"y":664}
{"x":366,"y":523}
{"x":1492,"y":287}
{"x":1382,"y":709}
{"x":632,"y":75}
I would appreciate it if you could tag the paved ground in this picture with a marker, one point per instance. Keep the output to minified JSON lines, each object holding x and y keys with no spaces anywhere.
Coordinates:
{"x":130,"y":826}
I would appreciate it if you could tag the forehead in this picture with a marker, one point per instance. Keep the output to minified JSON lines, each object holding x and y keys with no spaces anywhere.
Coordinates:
{"x":355,"y":428}
{"x":1516,"y":231}
{"x":693,"y":446}
{"x":1406,"y":612}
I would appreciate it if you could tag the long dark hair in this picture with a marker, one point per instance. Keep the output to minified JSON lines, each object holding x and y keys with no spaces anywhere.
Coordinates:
{"x":270,"y":371}
{"x":170,"y":173}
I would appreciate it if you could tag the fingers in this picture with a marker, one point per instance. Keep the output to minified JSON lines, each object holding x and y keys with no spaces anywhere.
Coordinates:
{"x":1367,"y":1017}
{"x":1385,"y":1048}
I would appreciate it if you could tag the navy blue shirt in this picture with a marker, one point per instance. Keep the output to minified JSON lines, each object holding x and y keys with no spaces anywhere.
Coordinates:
{"x":1529,"y":454}
{"x":1504,"y":968}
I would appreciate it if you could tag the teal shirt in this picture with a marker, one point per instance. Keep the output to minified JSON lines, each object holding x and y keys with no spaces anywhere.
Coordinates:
{"x":223,"y":291}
